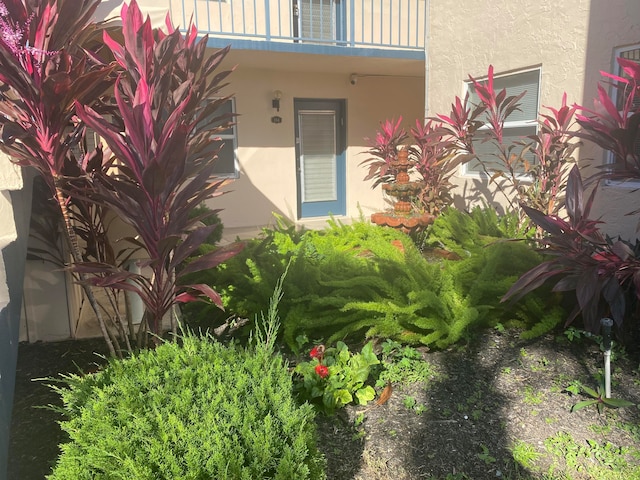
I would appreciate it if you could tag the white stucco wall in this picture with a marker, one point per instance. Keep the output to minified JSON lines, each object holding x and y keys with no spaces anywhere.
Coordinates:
{"x":570,"y":42}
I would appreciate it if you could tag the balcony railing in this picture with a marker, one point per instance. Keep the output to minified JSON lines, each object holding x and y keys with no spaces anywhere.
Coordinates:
{"x":380,"y":24}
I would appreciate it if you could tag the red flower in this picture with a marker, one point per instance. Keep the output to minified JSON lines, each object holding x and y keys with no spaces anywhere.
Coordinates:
{"x":317,"y":352}
{"x":322,"y":371}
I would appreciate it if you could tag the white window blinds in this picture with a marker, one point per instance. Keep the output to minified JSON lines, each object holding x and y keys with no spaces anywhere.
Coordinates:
{"x":318,"y":156}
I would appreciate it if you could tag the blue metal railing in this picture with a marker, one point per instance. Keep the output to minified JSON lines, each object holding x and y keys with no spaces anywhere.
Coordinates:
{"x":385,"y":24}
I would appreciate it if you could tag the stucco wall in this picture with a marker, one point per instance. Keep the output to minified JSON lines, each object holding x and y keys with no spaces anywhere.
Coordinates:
{"x":570,"y":42}
{"x":15,"y":208}
{"x":266,"y":152}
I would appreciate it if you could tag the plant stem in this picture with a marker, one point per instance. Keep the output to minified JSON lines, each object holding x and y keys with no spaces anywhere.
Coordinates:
{"x":77,"y":258}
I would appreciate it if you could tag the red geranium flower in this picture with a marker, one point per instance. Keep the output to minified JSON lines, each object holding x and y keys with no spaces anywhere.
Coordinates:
{"x":317,"y":352}
{"x":322,"y":371}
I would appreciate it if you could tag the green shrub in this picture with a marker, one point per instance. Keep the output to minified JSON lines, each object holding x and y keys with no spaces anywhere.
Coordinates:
{"x":199,"y":410}
{"x":490,"y":272}
{"x":464,"y":233}
{"x":358,"y":281}
{"x":208,"y":217}
{"x":244,"y":281}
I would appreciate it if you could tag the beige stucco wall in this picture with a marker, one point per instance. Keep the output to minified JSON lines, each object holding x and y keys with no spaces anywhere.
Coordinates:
{"x":266,"y":152}
{"x":570,"y":41}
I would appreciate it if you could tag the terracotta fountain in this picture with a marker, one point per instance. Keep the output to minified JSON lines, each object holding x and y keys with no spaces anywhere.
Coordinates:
{"x":403,"y":216}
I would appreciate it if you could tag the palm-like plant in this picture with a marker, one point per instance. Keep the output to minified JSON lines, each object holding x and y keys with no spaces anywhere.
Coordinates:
{"x":604,"y":273}
{"x":43,"y":71}
{"x":616,"y":128}
{"x":163,"y":161}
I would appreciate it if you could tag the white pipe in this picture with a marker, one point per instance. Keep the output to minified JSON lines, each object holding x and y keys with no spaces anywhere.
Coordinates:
{"x":427,"y":31}
{"x":607,"y":373}
{"x":606,"y":324}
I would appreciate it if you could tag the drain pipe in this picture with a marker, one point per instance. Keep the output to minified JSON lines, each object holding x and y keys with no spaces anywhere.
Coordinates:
{"x":606,"y":324}
{"x":427,"y":38}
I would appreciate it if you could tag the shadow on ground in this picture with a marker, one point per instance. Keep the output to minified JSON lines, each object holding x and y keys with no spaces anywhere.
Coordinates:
{"x":35,"y":435}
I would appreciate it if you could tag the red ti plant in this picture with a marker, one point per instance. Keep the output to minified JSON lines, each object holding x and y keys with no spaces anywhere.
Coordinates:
{"x":384,"y":150}
{"x":605,"y":274}
{"x":616,"y":128}
{"x":496,"y":104}
{"x":163,"y":165}
{"x":461,"y":125}
{"x":551,"y":147}
{"x":43,"y":71}
{"x":435,"y":160}
{"x":497,"y":107}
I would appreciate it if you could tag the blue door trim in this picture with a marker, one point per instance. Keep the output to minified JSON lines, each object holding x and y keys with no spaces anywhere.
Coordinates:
{"x":324,"y":208}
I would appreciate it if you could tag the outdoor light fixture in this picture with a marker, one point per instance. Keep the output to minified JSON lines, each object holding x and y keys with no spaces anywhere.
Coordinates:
{"x":275,"y":103}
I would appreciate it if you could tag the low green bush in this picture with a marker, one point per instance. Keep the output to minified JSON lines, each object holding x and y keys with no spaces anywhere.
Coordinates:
{"x":198,"y":410}
{"x":244,"y":281}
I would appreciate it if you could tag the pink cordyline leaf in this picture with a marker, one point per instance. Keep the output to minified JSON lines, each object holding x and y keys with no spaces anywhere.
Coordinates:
{"x":205,"y":290}
{"x":563,"y":115}
{"x":484,"y":90}
{"x":630,"y":67}
{"x":186,"y":297}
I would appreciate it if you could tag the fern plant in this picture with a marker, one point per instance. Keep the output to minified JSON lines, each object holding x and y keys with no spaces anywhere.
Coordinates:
{"x":351,"y":282}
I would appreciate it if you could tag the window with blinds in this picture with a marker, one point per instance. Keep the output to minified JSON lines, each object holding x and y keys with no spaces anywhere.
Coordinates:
{"x":319,"y":20}
{"x":520,"y":124}
{"x":318,"y":156}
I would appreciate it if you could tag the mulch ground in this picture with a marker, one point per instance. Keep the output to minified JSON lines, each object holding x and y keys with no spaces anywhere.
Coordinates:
{"x":463,"y":423}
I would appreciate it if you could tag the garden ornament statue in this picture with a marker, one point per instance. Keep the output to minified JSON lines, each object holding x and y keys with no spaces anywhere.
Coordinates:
{"x":403,"y":216}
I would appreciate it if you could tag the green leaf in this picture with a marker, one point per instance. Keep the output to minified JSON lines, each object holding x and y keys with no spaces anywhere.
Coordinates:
{"x":343,"y":353}
{"x":329,"y":400}
{"x":365,"y":395}
{"x":583,"y":404}
{"x":573,"y":388}
{"x":617,"y":402}
{"x":591,"y":392}
{"x":342,"y":397}
{"x":368,"y":355}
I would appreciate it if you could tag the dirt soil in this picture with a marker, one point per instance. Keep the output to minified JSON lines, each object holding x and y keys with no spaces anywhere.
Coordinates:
{"x":462,"y":424}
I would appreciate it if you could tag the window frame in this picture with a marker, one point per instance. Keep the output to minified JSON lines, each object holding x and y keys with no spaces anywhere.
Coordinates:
{"x":508,"y":125}
{"x":224,"y":138}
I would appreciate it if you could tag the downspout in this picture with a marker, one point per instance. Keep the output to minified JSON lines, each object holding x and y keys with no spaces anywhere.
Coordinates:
{"x":427,"y":31}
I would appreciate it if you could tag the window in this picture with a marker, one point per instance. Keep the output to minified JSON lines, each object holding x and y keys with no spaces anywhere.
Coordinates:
{"x":88,"y":144}
{"x":619,"y":96}
{"x":319,"y":20}
{"x":628,"y":53}
{"x":225,"y":164}
{"x":521,"y":123}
